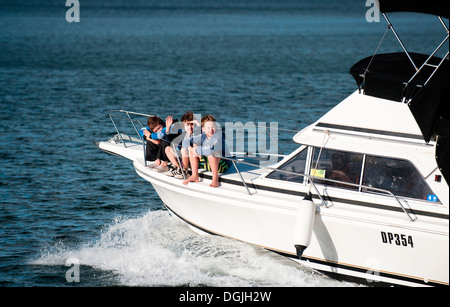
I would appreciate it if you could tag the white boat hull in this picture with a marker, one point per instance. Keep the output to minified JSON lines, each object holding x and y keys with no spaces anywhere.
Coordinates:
{"x":384,"y":247}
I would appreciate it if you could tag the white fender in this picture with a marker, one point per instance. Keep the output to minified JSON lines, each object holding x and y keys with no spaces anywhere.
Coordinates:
{"x":304,"y":222}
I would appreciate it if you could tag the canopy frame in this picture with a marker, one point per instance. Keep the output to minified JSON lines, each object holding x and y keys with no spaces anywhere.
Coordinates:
{"x":417,"y":69}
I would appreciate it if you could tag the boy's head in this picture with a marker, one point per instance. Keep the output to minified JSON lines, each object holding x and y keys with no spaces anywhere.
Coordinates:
{"x":188,"y":122}
{"x":155,"y":123}
{"x":209,"y":125}
{"x":188,"y":117}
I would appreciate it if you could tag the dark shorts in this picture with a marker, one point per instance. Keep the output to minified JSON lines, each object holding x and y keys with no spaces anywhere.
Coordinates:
{"x":204,"y":163}
{"x":152,"y":151}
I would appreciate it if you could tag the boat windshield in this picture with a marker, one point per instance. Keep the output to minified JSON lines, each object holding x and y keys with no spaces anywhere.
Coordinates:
{"x":296,"y":164}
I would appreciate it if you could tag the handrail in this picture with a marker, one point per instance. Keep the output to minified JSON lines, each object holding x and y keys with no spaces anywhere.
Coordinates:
{"x":234,"y":161}
{"x":108,"y":112}
{"x":112,"y":113}
{"x":311,"y":179}
{"x":116,"y":113}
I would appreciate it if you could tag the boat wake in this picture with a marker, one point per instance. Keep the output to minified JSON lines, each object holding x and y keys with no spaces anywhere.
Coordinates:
{"x":157,"y":249}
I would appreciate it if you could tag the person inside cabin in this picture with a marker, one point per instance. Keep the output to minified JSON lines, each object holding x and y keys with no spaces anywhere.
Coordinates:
{"x":154,"y":134}
{"x":189,"y":124}
{"x":341,"y":169}
{"x":206,"y":151}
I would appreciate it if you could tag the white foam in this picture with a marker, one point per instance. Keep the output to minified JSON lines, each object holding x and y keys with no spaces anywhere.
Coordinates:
{"x":159,"y":250}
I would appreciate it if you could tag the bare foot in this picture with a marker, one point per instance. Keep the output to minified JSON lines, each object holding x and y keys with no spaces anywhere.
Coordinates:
{"x":191,"y":179}
{"x":214,"y":183}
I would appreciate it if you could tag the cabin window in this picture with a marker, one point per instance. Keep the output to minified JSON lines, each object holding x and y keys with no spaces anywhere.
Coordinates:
{"x":341,"y":166}
{"x":343,"y":169}
{"x":295,"y":165}
{"x":397,"y":176}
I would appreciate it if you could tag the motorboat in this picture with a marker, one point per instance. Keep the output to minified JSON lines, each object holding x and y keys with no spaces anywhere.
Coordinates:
{"x":364,"y":196}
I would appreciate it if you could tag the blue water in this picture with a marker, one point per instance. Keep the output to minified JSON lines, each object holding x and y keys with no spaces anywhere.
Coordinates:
{"x":62,"y":198}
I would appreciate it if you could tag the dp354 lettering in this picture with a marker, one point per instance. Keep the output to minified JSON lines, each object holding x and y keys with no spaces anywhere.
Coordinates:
{"x":397,"y":239}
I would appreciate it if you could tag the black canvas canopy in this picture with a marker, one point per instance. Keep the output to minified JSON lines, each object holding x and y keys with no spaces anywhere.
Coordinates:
{"x":434,"y":7}
{"x":389,"y":75}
